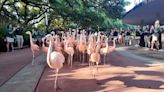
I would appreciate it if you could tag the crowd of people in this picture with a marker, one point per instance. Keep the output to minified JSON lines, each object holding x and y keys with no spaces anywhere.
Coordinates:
{"x":15,"y":34}
{"x":146,"y":36}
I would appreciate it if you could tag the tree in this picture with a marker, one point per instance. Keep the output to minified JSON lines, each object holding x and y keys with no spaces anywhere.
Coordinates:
{"x":62,"y":13}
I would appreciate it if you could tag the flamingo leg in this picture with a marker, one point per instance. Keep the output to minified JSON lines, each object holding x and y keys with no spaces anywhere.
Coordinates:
{"x":97,"y":64}
{"x":89,"y":61}
{"x":89,"y":64}
{"x":77,"y":55}
{"x":71,"y":61}
{"x":91,"y":69}
{"x":83,"y":57}
{"x":80,"y":57}
{"x":55,"y":86}
{"x":33,"y":56}
{"x":104,"y":59}
{"x":68,"y":59}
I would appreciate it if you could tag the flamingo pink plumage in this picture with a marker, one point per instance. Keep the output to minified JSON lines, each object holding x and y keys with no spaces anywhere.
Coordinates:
{"x":34,"y":47}
{"x":82,"y":44}
{"x":112,"y":48}
{"x":70,"y":51}
{"x":55,"y":59}
{"x":104,"y":51}
{"x":95,"y":56}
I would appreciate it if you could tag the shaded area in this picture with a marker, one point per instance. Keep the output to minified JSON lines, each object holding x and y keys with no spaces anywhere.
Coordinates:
{"x":116,"y":59}
{"x":151,"y":73}
{"x":130,"y":81}
{"x":147,"y":53}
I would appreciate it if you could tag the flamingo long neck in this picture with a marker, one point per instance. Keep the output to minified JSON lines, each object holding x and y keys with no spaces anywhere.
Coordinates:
{"x":66,"y":45}
{"x":43,"y":45}
{"x":106,"y":42}
{"x":97,"y":48}
{"x":56,"y":41}
{"x":114,"y":43}
{"x":81,"y":37}
{"x":49,"y":54}
{"x":31,"y":42}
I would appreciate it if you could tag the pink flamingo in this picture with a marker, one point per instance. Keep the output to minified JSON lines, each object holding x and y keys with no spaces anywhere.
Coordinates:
{"x":112,"y":48}
{"x":82,"y":45}
{"x":104,"y":51}
{"x":70,"y":51}
{"x":95,"y":56}
{"x":45,"y":41}
{"x":44,"y":48}
{"x":55,"y":59}
{"x":90,"y":48}
{"x":34,"y":47}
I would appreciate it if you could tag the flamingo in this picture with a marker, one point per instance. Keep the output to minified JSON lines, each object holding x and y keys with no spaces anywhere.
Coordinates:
{"x":112,"y":48}
{"x":34,"y":47}
{"x":57,"y":44}
{"x":55,"y":59}
{"x":82,"y":44}
{"x":70,"y":51}
{"x":95,"y":56}
{"x":104,"y":51}
{"x":44,"y":48}
{"x":90,"y":48}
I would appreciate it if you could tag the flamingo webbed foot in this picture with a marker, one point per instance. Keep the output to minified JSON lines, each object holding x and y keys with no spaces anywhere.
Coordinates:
{"x":32,"y":62}
{"x":98,"y":83}
{"x":58,"y":88}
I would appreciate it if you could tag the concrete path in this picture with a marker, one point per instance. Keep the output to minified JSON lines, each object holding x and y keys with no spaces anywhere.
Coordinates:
{"x":12,"y":62}
{"x":27,"y":78}
{"x":125,"y":72}
{"x":146,"y":60}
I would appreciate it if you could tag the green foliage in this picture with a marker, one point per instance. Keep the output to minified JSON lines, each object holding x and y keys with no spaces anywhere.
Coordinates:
{"x":66,"y":13}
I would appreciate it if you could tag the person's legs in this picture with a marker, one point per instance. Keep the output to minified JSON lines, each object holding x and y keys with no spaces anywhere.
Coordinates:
{"x":152,"y":44}
{"x":12,"y":46}
{"x":7,"y":46}
{"x":157,"y":45}
{"x":148,"y":44}
{"x":18,"y":41}
{"x":9,"y":41}
{"x":21,"y":42}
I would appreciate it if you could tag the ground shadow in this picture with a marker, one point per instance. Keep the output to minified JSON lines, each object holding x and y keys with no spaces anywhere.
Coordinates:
{"x":116,"y":59}
{"x":151,"y":73}
{"x":129,"y":81}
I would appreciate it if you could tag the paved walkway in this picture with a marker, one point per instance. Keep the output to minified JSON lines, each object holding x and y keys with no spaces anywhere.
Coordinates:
{"x":12,"y":62}
{"x":125,"y":72}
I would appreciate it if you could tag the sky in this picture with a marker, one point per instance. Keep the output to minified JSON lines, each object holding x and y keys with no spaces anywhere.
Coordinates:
{"x":131,"y":5}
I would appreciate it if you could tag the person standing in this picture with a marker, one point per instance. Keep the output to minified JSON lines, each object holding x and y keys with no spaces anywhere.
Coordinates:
{"x":128,"y":37}
{"x":9,"y":37}
{"x":34,"y":35}
{"x":19,"y":36}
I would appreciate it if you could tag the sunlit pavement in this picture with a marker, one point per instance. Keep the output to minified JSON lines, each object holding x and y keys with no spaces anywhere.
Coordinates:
{"x":125,"y":72}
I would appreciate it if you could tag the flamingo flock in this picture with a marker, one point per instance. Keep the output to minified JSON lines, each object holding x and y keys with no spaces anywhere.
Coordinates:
{"x":74,"y":44}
